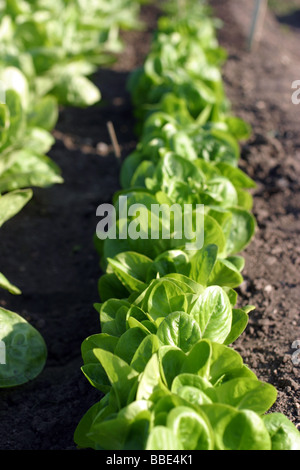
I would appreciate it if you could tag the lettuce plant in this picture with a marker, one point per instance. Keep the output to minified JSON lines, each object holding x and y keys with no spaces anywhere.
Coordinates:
{"x":24,"y":350}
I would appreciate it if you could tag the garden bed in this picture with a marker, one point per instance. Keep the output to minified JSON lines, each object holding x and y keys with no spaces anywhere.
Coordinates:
{"x":47,"y":250}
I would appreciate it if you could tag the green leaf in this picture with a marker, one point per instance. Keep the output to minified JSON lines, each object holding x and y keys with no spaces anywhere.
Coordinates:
{"x":37,"y":140}
{"x":212,"y":311}
{"x":237,"y":430}
{"x":194,"y":396}
{"x":244,"y":393}
{"x":44,"y":113}
{"x":254,"y":435}
{"x":144,"y":352}
{"x":239,"y":322}
{"x":245,"y":199}
{"x":190,"y":380}
{"x":236,"y":176}
{"x":12,"y":203}
{"x":110,"y":322}
{"x":81,"y":437}
{"x":213,"y":234}
{"x":99,"y":341}
{"x":131,"y":411}
{"x":16,"y":115}
{"x":121,"y":376}
{"x":109,"y":434}
{"x":96,"y":375}
{"x":172,"y":261}
{"x":25,"y":351}
{"x":110,"y":287}
{"x":237,"y":261}
{"x":76,"y":90}
{"x":150,"y":380}
{"x":14,"y":79}
{"x":4,"y":123}
{"x":162,"y":438}
{"x":198,"y":360}
{"x":284,"y":434}
{"x":26,"y":169}
{"x":138,"y":433}
{"x":224,"y":360}
{"x":202,"y":264}
{"x":142,"y":326}
{"x":129,"y":343}
{"x":172,"y":360}
{"x":242,"y":230}
{"x":144,"y":170}
{"x":191,"y":429}
{"x":180,"y":330}
{"x":186,"y":283}
{"x":6,"y":285}
{"x":240,"y":129}
{"x":131,"y":268}
{"x":232,"y":295}
{"x":159,"y":302}
{"x":128,"y":169}
{"x":225,"y":273}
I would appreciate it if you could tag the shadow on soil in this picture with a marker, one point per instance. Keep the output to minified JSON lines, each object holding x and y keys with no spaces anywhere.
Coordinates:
{"x":292,"y":19}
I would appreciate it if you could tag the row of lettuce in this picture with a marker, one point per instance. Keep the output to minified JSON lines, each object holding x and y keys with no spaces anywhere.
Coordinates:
{"x":164,"y":365}
{"x":48,"y":51}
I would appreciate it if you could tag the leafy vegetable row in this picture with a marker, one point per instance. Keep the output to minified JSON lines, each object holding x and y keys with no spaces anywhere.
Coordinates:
{"x":163,"y":360}
{"x":48,"y":50}
{"x":57,"y":45}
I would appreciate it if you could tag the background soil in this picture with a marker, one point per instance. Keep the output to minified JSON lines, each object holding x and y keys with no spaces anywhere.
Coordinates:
{"x":47,"y":249}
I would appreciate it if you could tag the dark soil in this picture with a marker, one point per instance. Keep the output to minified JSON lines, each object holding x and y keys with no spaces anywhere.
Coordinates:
{"x":47,"y":249}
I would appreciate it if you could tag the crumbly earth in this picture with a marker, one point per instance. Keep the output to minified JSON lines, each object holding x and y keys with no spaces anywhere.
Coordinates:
{"x":47,"y":249}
